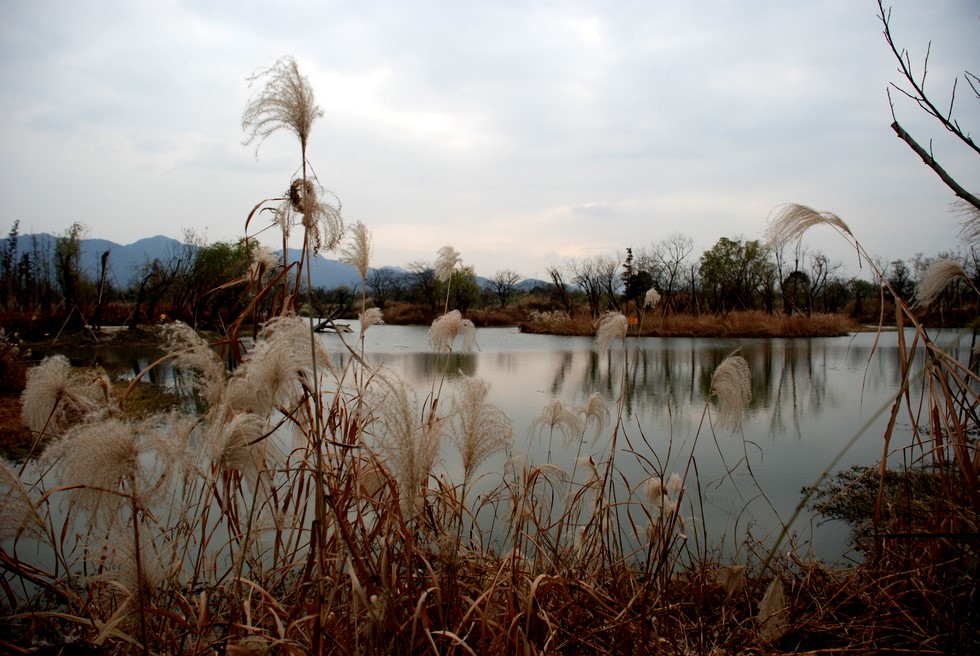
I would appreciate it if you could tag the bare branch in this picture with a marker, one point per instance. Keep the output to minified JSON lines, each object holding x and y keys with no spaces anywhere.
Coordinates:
{"x":934,"y":165}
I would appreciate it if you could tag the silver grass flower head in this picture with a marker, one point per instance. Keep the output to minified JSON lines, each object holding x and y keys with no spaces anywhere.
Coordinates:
{"x":558,"y":416}
{"x":612,"y":327}
{"x":192,"y":353}
{"x":935,"y":279}
{"x":323,"y":224}
{"x":18,"y":508}
{"x":446,"y":262}
{"x":651,"y":299}
{"x":115,"y":558}
{"x":732,"y":385}
{"x":371,"y":317}
{"x":357,"y":252}
{"x":284,"y":102}
{"x":969,"y":224}
{"x":596,"y":413}
{"x":280,"y":368}
{"x":55,"y":396}
{"x":791,"y":221}
{"x":447,"y":328}
{"x":263,"y":261}
{"x":109,"y":461}
{"x":240,"y":443}
{"x":409,"y":443}
{"x":773,"y":612}
{"x":481,"y":428}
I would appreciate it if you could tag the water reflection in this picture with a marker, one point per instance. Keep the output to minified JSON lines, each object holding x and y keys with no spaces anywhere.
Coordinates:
{"x":809,"y":397}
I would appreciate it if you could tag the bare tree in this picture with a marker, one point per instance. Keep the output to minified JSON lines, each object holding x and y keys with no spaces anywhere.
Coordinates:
{"x":557,"y":276}
{"x":587,"y":276}
{"x":610,"y":280}
{"x":504,"y":285}
{"x":422,"y":276}
{"x":385,"y":285}
{"x":671,"y":256}
{"x":913,"y":87}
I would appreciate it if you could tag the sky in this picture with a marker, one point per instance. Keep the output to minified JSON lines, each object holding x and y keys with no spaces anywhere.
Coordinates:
{"x":523,"y":134}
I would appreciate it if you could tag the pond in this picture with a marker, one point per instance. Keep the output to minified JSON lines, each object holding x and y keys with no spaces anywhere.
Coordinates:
{"x":810,"y":399}
{"x":817,"y":403}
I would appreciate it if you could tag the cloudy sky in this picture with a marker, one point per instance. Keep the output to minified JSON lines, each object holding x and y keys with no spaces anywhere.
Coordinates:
{"x":521,"y":133}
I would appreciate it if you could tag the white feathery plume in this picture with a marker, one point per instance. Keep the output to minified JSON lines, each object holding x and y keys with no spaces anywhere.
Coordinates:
{"x":357,"y":252}
{"x":371,"y":317}
{"x":241,"y":443}
{"x":482,"y":428}
{"x":612,"y":326}
{"x":56,"y":397}
{"x":596,"y":413}
{"x":263,"y":261}
{"x":651,"y":298}
{"x":279,"y":370}
{"x":773,"y":615}
{"x":558,"y":416}
{"x":446,"y":263}
{"x":791,"y":221}
{"x":191,"y":352}
{"x":446,"y":328}
{"x":18,"y":509}
{"x":112,"y":461}
{"x":732,"y":384}
{"x":409,"y":443}
{"x":284,"y":102}
{"x":935,"y":279}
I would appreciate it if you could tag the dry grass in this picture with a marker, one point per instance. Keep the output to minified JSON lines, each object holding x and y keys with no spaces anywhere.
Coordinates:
{"x":732,"y":324}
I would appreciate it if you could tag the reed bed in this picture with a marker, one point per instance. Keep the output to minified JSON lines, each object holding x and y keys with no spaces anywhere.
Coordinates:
{"x":731,"y":324}
{"x":301,"y":506}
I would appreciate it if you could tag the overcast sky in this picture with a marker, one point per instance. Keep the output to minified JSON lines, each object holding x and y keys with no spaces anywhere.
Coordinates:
{"x":521,"y":133}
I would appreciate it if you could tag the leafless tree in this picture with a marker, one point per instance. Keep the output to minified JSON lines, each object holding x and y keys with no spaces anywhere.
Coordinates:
{"x":913,"y":87}
{"x":557,"y":275}
{"x":385,"y":285}
{"x":671,"y":256}
{"x":587,"y":276}
{"x":504,"y":285}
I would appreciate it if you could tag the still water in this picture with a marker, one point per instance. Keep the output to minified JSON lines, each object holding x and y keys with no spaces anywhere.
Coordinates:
{"x":817,"y":404}
{"x":810,"y":399}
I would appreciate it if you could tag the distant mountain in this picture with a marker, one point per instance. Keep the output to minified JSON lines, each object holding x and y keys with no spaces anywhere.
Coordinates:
{"x":125,"y":260}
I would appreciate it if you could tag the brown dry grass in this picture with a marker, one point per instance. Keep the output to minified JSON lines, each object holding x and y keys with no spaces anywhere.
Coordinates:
{"x":732,"y":324}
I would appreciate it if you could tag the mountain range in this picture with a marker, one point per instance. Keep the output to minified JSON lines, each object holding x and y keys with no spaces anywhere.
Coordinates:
{"x":125,"y":260}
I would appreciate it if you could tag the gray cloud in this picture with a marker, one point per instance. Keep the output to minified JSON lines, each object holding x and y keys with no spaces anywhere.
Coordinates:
{"x":520,"y":133}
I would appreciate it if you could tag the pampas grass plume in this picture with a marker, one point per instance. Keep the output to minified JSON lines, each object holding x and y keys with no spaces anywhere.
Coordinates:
{"x":791,"y":221}
{"x":284,"y":102}
{"x":732,"y":384}
{"x":558,"y":416}
{"x":192,"y":353}
{"x":612,"y":327}
{"x":596,"y":413}
{"x":446,"y":263}
{"x":371,"y":317}
{"x":55,"y":397}
{"x":409,"y":444}
{"x":357,"y":252}
{"x":935,"y":279}
{"x":447,"y":328}
{"x":651,"y":299}
{"x":482,"y":428}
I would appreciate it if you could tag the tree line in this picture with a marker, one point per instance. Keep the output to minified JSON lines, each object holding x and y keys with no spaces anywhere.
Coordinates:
{"x":196,"y":283}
